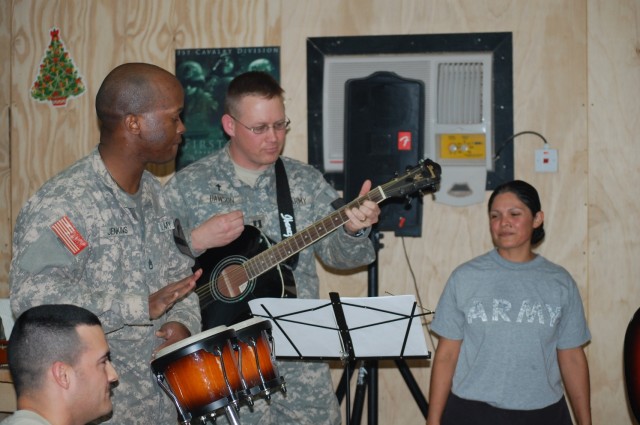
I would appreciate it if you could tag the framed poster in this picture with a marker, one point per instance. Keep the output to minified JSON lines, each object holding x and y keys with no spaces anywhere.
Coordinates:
{"x":205,"y":75}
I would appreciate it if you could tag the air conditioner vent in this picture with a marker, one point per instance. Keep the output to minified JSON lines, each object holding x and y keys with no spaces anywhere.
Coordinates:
{"x":460,"y":93}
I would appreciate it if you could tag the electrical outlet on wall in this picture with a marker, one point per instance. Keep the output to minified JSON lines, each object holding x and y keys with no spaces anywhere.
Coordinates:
{"x":546,"y":160}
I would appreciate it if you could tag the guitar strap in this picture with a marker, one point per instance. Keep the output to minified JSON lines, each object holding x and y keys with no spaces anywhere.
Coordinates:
{"x":285,"y":208}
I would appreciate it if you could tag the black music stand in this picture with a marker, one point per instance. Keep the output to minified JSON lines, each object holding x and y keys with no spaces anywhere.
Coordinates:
{"x":349,"y":329}
{"x":368,"y":375}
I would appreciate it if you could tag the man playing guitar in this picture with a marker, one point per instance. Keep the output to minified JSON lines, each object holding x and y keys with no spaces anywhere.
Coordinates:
{"x":240,"y":181}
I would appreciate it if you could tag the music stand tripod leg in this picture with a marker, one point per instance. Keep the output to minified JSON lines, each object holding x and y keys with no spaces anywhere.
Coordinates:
{"x":358,"y":399}
{"x":353,"y":414}
{"x":409,"y":379}
{"x":372,"y":366}
{"x":343,"y":385}
{"x":372,"y":277}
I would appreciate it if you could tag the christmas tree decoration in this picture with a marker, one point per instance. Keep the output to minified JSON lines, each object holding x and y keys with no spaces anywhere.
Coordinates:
{"x":58,"y":77}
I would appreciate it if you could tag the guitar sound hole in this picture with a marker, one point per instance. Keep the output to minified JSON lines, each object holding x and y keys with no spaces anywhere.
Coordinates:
{"x":232,"y":282}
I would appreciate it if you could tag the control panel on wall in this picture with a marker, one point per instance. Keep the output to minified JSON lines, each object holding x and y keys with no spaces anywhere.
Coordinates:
{"x":460,"y":136}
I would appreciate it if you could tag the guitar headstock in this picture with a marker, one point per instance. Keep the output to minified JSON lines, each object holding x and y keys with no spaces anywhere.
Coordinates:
{"x":425,"y":178}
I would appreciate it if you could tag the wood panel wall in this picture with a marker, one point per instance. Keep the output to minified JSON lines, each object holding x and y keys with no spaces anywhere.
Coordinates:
{"x":613,"y":156}
{"x":5,"y":137}
{"x":576,"y":81}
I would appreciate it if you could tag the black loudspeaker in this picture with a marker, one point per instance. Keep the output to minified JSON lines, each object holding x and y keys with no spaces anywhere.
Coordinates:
{"x":384,"y":133}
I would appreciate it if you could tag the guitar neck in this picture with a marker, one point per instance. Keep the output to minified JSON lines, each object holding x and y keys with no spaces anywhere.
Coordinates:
{"x":296,"y":243}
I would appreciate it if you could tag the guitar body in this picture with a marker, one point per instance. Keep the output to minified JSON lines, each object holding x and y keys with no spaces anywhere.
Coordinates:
{"x":252,"y":267}
{"x":224,"y":289}
{"x":632,"y":363}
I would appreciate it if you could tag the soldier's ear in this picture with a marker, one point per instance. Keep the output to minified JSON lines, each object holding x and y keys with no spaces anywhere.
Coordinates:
{"x":228,"y":125}
{"x":132,"y":123}
{"x":61,"y":374}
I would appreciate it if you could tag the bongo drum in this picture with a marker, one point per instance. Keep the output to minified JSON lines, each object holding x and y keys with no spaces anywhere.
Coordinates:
{"x":200,"y":374}
{"x":257,"y":358}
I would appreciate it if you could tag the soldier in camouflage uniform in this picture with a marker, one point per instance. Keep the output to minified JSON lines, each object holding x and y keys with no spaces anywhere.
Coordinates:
{"x":100,"y":235}
{"x":241,"y":177}
{"x":59,"y":362}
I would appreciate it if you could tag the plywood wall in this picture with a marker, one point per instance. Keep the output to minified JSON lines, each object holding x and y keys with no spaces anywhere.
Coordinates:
{"x":5,"y":164}
{"x":612,"y":172}
{"x":575,"y":81}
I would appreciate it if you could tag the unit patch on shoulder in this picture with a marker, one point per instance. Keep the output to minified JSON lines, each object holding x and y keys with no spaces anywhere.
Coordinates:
{"x":69,"y":235}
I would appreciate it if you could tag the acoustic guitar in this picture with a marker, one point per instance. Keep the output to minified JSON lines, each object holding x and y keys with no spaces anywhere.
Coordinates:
{"x":252,"y":266}
{"x":632,"y":363}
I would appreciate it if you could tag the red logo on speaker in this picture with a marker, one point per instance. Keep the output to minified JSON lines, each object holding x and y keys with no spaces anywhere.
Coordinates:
{"x":404,"y":140}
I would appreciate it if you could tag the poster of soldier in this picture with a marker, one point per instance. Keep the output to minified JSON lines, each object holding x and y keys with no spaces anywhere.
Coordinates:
{"x":205,"y":75}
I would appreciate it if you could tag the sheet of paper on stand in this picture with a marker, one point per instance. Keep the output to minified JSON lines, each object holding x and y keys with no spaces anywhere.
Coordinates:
{"x":377,"y":326}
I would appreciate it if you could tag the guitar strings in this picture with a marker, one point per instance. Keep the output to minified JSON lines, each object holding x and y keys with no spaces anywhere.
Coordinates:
{"x":260,"y":263}
{"x":251,"y":268}
{"x":257,"y":265}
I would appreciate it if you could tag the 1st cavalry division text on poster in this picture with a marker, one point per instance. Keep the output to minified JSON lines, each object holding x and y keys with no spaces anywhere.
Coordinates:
{"x":205,"y":75}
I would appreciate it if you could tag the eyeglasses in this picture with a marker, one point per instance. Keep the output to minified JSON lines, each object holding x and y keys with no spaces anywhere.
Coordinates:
{"x":261,"y":129}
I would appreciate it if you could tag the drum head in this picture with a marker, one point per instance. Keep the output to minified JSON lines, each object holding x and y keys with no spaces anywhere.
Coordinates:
{"x":251,"y":325}
{"x":191,"y":344}
{"x":190,"y":340}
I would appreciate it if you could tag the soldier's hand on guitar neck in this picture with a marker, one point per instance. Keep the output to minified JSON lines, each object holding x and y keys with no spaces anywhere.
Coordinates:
{"x":162,"y":300}
{"x":217,"y":231}
{"x":365,"y":215}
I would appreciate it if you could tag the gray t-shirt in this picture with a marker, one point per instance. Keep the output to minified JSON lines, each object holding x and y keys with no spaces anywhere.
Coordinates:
{"x":511,"y":318}
{"x":25,"y":417}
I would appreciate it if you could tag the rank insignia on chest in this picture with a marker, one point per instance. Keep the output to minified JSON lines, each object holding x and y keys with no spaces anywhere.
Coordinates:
{"x":69,"y":235}
{"x":255,"y":221}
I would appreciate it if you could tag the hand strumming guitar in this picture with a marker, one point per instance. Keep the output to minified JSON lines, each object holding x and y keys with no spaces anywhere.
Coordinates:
{"x":217,"y":231}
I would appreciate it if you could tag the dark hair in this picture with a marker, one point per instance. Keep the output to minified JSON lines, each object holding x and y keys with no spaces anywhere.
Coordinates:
{"x":127,"y":89}
{"x":43,"y":335}
{"x":252,"y":83}
{"x":529,"y":196}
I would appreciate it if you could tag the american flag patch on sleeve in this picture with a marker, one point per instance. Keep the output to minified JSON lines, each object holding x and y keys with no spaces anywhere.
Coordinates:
{"x":69,"y":235}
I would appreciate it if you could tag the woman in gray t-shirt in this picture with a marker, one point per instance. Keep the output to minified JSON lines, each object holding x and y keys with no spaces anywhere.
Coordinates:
{"x":512,"y":329}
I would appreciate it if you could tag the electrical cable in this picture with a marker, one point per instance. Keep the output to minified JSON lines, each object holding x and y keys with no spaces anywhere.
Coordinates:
{"x":497,"y":155}
{"x":417,"y":293}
